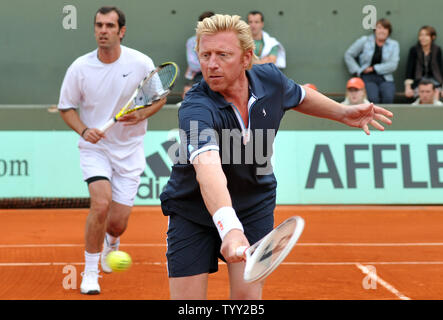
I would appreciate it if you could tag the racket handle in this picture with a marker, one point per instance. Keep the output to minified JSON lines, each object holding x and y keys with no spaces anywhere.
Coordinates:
{"x":240,"y":251}
{"x":107,"y":125}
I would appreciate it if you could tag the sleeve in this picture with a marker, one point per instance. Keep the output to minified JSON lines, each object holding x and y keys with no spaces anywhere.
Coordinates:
{"x":191,"y":55}
{"x":439,"y":60}
{"x":151,"y":89}
{"x":145,"y":63}
{"x":149,"y":64}
{"x":70,"y":92}
{"x":352,"y":54}
{"x":198,"y":129}
{"x":293,"y":93}
{"x":274,"y":51}
{"x":410,"y":65}
{"x":391,"y":64}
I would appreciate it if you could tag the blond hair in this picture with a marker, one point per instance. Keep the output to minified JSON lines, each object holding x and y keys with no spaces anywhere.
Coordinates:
{"x":220,"y":23}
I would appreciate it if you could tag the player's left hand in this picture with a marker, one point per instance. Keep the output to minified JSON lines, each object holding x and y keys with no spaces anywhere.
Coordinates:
{"x":135,"y":117}
{"x":132,"y":118}
{"x":363,"y":115}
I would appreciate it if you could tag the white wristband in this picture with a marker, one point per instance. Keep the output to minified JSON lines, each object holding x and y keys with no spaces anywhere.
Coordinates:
{"x":225,"y":219}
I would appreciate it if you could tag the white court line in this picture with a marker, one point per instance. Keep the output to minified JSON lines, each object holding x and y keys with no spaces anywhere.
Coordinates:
{"x":44,"y":264}
{"x":72,"y":245}
{"x":369,"y":244}
{"x":38,"y":264}
{"x":382,"y":282}
{"x":369,"y":263}
{"x":306,"y":244}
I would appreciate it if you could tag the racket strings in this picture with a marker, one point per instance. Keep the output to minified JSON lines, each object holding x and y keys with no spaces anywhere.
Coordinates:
{"x":153,"y":87}
{"x":270,"y":251}
{"x":157,"y":86}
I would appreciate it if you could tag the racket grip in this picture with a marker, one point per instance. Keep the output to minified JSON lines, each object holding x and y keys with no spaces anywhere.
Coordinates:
{"x":240,"y":251}
{"x":107,"y":125}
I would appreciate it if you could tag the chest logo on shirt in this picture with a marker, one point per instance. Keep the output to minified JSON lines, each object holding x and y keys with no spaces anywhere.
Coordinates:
{"x":126,"y":74}
{"x":264,"y":112}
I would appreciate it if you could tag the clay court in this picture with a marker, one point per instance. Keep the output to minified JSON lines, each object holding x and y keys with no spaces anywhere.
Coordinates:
{"x":345,"y":252}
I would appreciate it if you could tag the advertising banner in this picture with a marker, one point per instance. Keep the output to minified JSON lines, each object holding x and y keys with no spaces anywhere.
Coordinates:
{"x":311,"y":167}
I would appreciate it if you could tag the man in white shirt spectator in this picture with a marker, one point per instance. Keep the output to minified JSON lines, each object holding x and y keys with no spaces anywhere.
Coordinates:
{"x":267,"y":48}
{"x":426,"y":94}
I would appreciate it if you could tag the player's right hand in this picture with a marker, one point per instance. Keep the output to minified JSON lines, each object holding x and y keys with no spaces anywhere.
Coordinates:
{"x":93,"y":135}
{"x":233,"y":239}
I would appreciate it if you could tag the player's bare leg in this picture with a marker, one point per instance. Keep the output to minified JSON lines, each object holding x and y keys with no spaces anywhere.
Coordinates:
{"x":101,"y":195}
{"x":116,"y":224}
{"x":117,"y":220}
{"x":189,"y":288}
{"x":239,"y":289}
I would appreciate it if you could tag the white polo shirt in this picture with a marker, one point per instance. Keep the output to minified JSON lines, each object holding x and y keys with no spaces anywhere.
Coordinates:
{"x":100,"y":90}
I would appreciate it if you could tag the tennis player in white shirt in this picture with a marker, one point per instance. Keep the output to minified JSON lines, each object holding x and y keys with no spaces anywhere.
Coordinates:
{"x":98,"y":84}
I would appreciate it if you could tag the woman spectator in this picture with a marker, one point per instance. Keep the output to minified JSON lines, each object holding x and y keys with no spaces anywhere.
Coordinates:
{"x":374,"y":58}
{"x":424,"y":63}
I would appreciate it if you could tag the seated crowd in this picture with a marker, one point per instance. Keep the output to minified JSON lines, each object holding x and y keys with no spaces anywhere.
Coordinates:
{"x":371,"y":61}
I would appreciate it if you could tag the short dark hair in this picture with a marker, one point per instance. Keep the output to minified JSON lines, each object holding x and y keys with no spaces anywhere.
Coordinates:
{"x":386,"y":24}
{"x":254,"y":12}
{"x":206,"y":14}
{"x":426,"y":82}
{"x":107,"y":9}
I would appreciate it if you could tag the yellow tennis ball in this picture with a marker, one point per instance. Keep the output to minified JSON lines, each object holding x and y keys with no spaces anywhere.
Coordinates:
{"x":119,"y":260}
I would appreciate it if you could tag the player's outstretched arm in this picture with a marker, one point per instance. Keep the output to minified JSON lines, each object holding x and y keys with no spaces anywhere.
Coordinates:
{"x":215,"y":193}
{"x":361,"y":116}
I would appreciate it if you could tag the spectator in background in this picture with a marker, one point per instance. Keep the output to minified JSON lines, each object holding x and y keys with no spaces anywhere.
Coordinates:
{"x":191,"y":56}
{"x":374,"y":58}
{"x":424,"y":62}
{"x":355,"y":92}
{"x":426,"y":93}
{"x":188,"y":85}
{"x":267,"y":48}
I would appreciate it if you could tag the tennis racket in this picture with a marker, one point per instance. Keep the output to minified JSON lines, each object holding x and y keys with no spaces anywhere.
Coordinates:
{"x":153,"y":87}
{"x":265,"y":255}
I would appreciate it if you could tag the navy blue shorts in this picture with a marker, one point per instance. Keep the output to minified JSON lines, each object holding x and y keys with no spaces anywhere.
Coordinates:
{"x":194,"y":248}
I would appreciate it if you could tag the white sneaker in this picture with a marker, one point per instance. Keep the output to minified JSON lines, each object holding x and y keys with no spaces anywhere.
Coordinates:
{"x":90,"y":282}
{"x":106,"y":250}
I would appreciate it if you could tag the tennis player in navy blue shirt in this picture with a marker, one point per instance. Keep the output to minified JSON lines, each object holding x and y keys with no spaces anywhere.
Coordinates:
{"x":222,"y":191}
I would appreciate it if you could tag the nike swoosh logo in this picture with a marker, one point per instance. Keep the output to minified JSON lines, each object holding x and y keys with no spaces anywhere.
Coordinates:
{"x":126,"y":74}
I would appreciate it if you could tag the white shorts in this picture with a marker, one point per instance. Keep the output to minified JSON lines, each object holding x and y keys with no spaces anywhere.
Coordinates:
{"x":123,"y":174}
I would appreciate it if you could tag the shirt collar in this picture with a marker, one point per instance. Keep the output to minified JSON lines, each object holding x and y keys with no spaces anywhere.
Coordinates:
{"x":255,"y":85}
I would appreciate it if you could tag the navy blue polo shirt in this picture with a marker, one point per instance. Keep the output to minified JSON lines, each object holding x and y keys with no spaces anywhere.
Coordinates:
{"x":208,"y":122}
